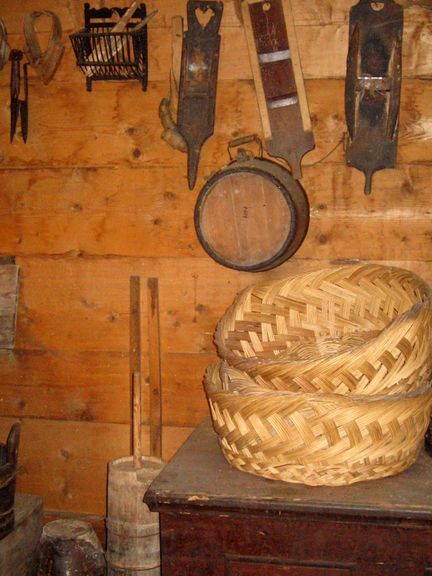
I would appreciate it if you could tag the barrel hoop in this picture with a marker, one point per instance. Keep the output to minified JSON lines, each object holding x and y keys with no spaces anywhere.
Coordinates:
{"x":116,"y":526}
{"x":131,"y":566}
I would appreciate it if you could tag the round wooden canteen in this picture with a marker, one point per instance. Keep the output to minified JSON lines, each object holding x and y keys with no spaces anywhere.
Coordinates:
{"x":251,"y":215}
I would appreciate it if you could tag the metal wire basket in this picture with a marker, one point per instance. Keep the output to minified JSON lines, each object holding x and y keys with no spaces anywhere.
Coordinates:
{"x":104,"y":54}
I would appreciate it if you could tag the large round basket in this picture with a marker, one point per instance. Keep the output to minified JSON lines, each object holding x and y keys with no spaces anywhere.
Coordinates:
{"x":315,"y":439}
{"x":359,"y":329}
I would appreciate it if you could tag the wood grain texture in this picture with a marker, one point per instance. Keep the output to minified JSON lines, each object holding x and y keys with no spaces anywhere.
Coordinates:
{"x":66,"y":462}
{"x":322,"y":31}
{"x":9,"y":289}
{"x":93,"y":387}
{"x":125,"y":131}
{"x":96,"y":196}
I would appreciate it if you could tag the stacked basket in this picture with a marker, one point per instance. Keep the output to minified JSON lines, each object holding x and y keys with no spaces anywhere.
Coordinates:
{"x":325,"y":377}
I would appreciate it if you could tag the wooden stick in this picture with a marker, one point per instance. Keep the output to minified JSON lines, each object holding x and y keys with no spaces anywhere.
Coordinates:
{"x":154,"y":367}
{"x":136,"y":386}
{"x":135,"y":357}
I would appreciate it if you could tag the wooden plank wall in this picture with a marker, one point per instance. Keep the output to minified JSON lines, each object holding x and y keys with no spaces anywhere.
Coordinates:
{"x":96,"y":196}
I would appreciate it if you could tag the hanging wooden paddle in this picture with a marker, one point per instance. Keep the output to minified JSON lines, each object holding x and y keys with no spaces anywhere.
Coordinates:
{"x":275,"y":61}
{"x":372,"y":86}
{"x":197,"y":92}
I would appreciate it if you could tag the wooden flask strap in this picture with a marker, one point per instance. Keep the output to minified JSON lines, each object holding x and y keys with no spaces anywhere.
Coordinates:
{"x":47,"y":62}
{"x":4,"y":46}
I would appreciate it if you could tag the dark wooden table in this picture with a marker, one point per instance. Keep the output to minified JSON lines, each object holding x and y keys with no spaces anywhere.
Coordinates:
{"x":216,"y":520}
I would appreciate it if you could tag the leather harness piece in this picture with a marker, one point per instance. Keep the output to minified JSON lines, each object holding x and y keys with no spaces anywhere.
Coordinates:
{"x":47,"y":62}
{"x":4,"y":46}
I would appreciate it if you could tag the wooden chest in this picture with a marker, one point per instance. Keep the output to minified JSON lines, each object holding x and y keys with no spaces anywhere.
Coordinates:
{"x":217,"y":521}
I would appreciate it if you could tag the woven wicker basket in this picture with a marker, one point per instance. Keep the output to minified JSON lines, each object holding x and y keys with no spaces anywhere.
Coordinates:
{"x":316,"y":439}
{"x":361,"y":329}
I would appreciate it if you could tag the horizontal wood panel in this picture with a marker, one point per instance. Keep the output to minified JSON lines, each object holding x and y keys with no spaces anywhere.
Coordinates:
{"x":94,"y":386}
{"x":126,"y":130}
{"x":194,"y":293}
{"x":338,"y":237}
{"x":322,"y":37}
{"x":305,"y":13}
{"x":66,"y":462}
{"x":156,"y":194}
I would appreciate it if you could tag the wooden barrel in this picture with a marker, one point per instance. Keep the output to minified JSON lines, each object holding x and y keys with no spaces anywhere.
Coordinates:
{"x":251,"y":215}
{"x":132,"y":530}
{"x":8,"y":466}
{"x":70,"y":547}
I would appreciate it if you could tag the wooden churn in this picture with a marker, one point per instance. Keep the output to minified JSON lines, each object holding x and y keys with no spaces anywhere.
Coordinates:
{"x":132,"y":530}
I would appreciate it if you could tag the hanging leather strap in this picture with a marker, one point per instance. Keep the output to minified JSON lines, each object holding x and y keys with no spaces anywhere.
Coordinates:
{"x":4,"y":46}
{"x":47,"y":62}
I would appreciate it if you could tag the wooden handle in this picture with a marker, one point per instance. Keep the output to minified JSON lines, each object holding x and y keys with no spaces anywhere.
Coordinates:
{"x":135,"y":358}
{"x":136,"y":434}
{"x":154,"y":367}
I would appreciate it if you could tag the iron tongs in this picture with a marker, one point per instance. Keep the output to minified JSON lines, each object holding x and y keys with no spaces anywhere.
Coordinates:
{"x":19,"y":107}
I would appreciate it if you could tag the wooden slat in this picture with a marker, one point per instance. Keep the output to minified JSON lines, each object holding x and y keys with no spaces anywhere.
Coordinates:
{"x":343,"y":240}
{"x":95,"y":294}
{"x":66,"y":462}
{"x":322,"y":36}
{"x":305,"y":13}
{"x":126,"y":132}
{"x":9,"y":288}
{"x":82,"y":194}
{"x":93,"y":387}
{"x":155,"y":378}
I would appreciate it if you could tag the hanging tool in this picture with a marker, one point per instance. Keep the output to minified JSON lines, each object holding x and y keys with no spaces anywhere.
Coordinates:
{"x":275,"y":61}
{"x":168,"y":106}
{"x":18,"y":106}
{"x":45,"y":62}
{"x":4,"y":46}
{"x":197,"y":92}
{"x":372,"y":86}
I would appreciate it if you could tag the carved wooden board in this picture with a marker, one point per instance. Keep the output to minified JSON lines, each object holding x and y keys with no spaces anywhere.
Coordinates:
{"x":373,"y":84}
{"x":275,"y":62}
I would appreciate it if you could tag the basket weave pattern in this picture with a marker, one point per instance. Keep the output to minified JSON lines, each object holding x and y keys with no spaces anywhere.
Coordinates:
{"x":362,"y":329}
{"x":325,"y":378}
{"x":316,"y":439}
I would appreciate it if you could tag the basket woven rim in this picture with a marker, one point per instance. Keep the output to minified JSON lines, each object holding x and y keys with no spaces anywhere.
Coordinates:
{"x":253,"y":390}
{"x":400,"y":320}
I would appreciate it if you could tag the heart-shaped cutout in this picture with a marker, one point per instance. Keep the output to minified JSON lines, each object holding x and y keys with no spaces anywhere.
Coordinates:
{"x":204,"y":16}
